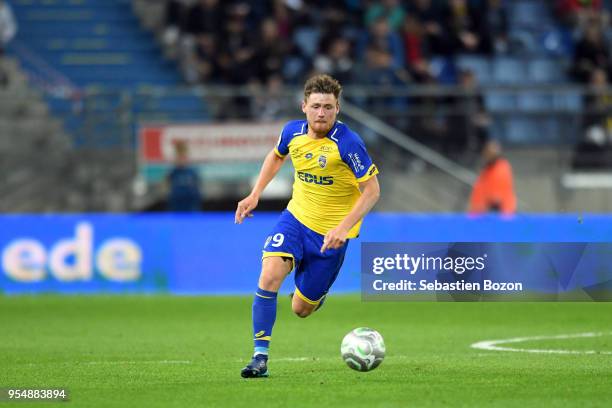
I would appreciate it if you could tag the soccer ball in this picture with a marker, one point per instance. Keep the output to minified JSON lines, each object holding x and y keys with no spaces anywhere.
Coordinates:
{"x":363,"y":349}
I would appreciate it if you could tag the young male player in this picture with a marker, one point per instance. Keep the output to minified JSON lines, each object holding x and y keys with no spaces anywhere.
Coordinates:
{"x":335,"y":186}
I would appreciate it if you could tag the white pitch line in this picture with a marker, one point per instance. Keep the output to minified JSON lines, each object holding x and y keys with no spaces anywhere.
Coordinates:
{"x":295,"y":359}
{"x":493,"y":345}
{"x":327,"y":358}
{"x":114,"y":362}
{"x":139,"y":362}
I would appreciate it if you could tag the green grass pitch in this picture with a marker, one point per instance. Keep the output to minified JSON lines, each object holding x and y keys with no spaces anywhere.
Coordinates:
{"x":165,"y":351}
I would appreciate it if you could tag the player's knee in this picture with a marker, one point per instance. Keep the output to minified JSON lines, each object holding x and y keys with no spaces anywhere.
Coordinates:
{"x":270,"y":282}
{"x":273,"y":272}
{"x":301,"y":310}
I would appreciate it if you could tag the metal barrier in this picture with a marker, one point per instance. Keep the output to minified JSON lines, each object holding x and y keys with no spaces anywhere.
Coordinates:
{"x":545,"y":119}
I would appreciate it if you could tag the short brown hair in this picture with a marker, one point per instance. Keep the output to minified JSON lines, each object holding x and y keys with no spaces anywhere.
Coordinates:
{"x":322,"y":84}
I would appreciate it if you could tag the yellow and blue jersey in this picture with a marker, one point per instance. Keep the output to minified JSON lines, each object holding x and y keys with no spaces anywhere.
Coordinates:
{"x":327,"y":174}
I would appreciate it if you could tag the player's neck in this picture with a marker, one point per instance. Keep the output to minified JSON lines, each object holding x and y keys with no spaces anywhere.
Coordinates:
{"x":316,"y":136}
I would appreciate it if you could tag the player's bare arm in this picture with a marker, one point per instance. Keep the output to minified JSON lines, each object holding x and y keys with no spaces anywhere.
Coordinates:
{"x":270,"y":167}
{"x":370,"y":192}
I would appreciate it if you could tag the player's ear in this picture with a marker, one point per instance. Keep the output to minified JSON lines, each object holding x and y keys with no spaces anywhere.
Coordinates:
{"x":304,"y":106}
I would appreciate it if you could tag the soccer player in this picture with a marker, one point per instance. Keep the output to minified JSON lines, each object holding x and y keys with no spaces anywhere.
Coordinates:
{"x":335,"y":186}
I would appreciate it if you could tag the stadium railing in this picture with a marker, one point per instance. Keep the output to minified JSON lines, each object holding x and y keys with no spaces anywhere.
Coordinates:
{"x":538,"y":126}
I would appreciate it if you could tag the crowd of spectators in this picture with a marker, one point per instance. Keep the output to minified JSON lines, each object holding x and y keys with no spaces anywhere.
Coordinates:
{"x":591,"y":66}
{"x":390,"y":43}
{"x":238,"y":42}
{"x":266,"y":45}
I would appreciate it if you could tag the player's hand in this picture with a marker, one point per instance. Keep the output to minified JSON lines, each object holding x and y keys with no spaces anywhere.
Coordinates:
{"x":244,"y":208}
{"x":334,"y":239}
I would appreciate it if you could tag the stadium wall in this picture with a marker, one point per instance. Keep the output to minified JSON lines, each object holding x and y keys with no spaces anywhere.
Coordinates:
{"x":208,"y":254}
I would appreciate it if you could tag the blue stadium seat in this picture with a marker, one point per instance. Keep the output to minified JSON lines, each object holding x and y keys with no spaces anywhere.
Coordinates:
{"x":557,"y":42}
{"x":307,"y":39}
{"x":535,"y":101}
{"x":530,"y":14}
{"x":443,"y":70}
{"x":509,"y":70}
{"x":500,"y":101}
{"x":479,"y":65}
{"x":523,"y":42}
{"x":523,"y":131}
{"x":568,"y":100}
{"x":546,"y":70}
{"x":497,"y":129}
{"x":96,"y":44}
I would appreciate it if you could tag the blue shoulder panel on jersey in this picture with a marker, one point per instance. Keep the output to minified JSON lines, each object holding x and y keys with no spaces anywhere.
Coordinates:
{"x":290,"y":130}
{"x":352,"y":149}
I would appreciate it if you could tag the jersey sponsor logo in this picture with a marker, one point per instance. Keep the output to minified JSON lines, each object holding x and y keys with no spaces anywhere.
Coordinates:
{"x":322,"y":161}
{"x":308,"y":155}
{"x":325,"y":149}
{"x":356,"y":161}
{"x":311,"y":178}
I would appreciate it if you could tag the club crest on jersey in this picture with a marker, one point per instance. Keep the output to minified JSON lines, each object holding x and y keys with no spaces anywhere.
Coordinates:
{"x":322,"y":161}
{"x":308,"y":156}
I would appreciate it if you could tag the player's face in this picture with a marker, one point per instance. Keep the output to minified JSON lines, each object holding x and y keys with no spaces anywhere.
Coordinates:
{"x":321,"y":111}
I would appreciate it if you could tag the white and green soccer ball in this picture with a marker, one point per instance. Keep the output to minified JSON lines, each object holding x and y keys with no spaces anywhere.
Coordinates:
{"x":363,"y":349}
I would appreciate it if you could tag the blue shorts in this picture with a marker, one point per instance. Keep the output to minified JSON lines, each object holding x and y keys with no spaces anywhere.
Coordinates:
{"x":315,"y":272}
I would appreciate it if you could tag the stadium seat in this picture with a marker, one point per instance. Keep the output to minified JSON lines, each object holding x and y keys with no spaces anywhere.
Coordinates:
{"x":99,"y":45}
{"x":568,"y":100}
{"x":557,"y":42}
{"x":535,"y":101}
{"x":523,"y":131}
{"x":530,"y":14}
{"x":307,"y":39}
{"x":509,"y":70}
{"x":545,"y":70}
{"x":500,"y":101}
{"x":443,"y":70}
{"x":479,"y":65}
{"x":523,"y":42}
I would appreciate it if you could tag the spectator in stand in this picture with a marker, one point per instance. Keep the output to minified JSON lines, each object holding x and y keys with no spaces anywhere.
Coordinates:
{"x":416,"y":50}
{"x":464,"y":29}
{"x":8,"y":25}
{"x":238,"y":53}
{"x":592,"y":51}
{"x":493,"y":191}
{"x":205,"y":16}
{"x":496,"y":24}
{"x":392,"y":10}
{"x":468,"y":124}
{"x":184,"y":182}
{"x":283,"y":18}
{"x":594,"y":151}
{"x":379,"y":71}
{"x":599,"y":102}
{"x":381,"y":37}
{"x":8,"y":29}
{"x":269,"y":102}
{"x":579,"y":13}
{"x":204,"y":64}
{"x":336,"y":60}
{"x":175,"y":21}
{"x":429,"y":15}
{"x":271,"y":50}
